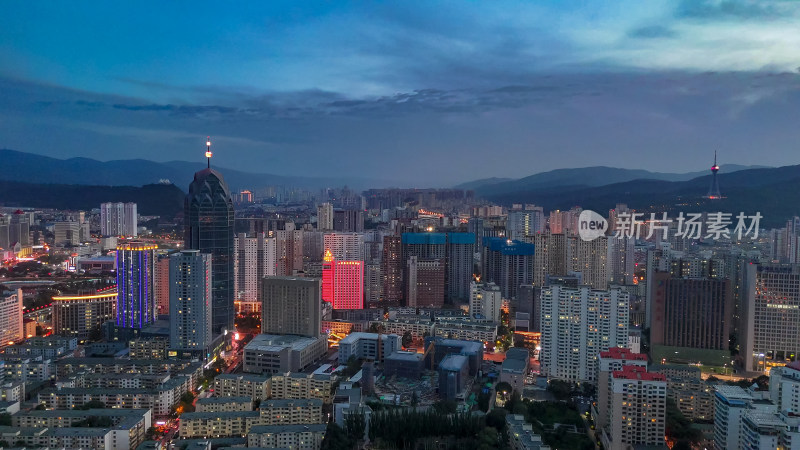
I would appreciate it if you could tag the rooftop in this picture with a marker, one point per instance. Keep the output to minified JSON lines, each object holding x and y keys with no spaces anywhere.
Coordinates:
{"x":288,"y":402}
{"x":353,"y":337}
{"x":453,"y":362}
{"x":215,"y":400}
{"x":623,"y":353}
{"x":637,"y":373}
{"x":216,"y":414}
{"x":278,"y":342}
{"x":253,"y":378}
{"x":406,"y":356}
{"x":307,"y":428}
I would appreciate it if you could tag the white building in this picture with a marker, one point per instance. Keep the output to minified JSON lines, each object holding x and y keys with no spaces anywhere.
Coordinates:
{"x":11,"y":329}
{"x":485,"y":301}
{"x":119,"y":219}
{"x":365,"y":346}
{"x":254,"y":258}
{"x":609,"y":362}
{"x":190,"y":302}
{"x":577,"y":324}
{"x":637,"y":409}
{"x":345,"y":246}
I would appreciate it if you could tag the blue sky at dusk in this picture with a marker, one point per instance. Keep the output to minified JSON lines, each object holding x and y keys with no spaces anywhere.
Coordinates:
{"x":428,"y":92}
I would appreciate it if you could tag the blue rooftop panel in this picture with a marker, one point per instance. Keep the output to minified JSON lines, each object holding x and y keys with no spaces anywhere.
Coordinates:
{"x":424,"y":238}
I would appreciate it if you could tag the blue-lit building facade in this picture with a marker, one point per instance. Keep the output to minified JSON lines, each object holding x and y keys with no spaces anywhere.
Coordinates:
{"x":507,"y":264}
{"x":136,"y":305}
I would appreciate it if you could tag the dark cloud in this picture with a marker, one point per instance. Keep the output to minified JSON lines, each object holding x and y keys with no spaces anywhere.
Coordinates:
{"x":652,"y":32}
{"x":740,"y":9}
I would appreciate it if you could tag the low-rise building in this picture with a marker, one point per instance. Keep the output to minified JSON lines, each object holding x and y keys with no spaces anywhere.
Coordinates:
{"x":271,"y":354}
{"x":143,"y":348}
{"x":404,"y":365}
{"x":365,"y":346}
{"x":224,"y":404}
{"x":255,"y":387}
{"x":128,"y":427}
{"x":521,"y":435}
{"x":466,"y":329}
{"x":515,"y":368}
{"x":453,"y":373}
{"x":294,"y":385}
{"x":214,"y":424}
{"x":291,"y":411}
{"x":299,"y":437}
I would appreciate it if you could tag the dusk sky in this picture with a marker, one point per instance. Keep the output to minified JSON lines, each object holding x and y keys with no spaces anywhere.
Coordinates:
{"x":427,"y":92}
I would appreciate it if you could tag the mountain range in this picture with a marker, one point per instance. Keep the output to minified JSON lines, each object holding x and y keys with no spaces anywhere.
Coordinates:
{"x":32,"y":168}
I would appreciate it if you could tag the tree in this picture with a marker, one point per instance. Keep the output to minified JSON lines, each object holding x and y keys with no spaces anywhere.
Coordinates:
{"x":504,"y":387}
{"x":561,"y":390}
{"x":4,"y":444}
{"x":407,"y":339}
{"x":414,"y":400}
{"x":488,"y":439}
{"x":5,"y":419}
{"x":497,"y":419}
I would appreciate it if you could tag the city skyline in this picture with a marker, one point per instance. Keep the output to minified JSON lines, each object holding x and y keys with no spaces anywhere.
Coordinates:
{"x":484,"y":90}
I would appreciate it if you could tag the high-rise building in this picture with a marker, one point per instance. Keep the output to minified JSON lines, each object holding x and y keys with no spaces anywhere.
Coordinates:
{"x":527,"y":222}
{"x":118,"y":219}
{"x":291,"y":306}
{"x":136,"y":305}
{"x":18,"y":228}
{"x":508,"y":264}
{"x":254,"y":259}
{"x":345,"y":246}
{"x":392,"y":270}
{"x":596,"y":319}
{"x":289,"y":250}
{"x":11,"y":330}
{"x":425,"y":281}
{"x":609,"y":362}
{"x":348,"y":220}
{"x":550,"y":257}
{"x":78,"y":315}
{"x":325,"y":217}
{"x":342,"y":282}
{"x":621,"y":260}
{"x":460,"y":265}
{"x":590,"y":259}
{"x":637,"y":409}
{"x":190,"y":281}
{"x":208,"y":222}
{"x":691,"y":313}
{"x":161,"y":284}
{"x":485,"y":302}
{"x":770,"y":316}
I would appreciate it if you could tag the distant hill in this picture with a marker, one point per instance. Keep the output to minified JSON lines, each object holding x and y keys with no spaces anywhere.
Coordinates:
{"x":481,"y":183}
{"x":32,"y":168}
{"x":165,"y":200}
{"x":775,"y":192}
{"x":588,"y":176}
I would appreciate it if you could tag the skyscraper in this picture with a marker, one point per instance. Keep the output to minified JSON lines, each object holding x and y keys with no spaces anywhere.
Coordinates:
{"x":508,"y":264}
{"x":460,"y":265}
{"x":136,"y":306}
{"x":392,"y":269}
{"x":190,"y":281}
{"x":345,"y":246}
{"x":208,"y":221}
{"x":291,"y":306}
{"x":425,"y":282}
{"x":161,"y":285}
{"x":118,"y":219}
{"x":485,"y":301}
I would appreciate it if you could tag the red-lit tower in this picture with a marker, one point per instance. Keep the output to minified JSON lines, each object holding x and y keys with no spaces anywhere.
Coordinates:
{"x":713,"y":191}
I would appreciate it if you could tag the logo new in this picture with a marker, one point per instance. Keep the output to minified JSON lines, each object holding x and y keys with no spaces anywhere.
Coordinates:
{"x":591,"y":225}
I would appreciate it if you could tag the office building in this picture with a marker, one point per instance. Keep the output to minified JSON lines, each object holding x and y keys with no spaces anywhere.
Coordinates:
{"x":508,"y":264}
{"x":485,"y":302}
{"x":118,"y":219}
{"x":190,"y":281}
{"x":78,"y":315}
{"x":342,"y":282}
{"x":637,"y":405}
{"x":771,"y":312}
{"x":11,"y":329}
{"x":325,"y":217}
{"x":208,"y":227}
{"x":690,"y":316}
{"x":425,"y":282}
{"x":595,"y":320}
{"x":291,"y":306}
{"x":254,"y":258}
{"x":136,"y":306}
{"x":67,"y":233}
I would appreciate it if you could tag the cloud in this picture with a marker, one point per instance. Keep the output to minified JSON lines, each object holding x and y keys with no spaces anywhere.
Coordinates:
{"x":652,"y":31}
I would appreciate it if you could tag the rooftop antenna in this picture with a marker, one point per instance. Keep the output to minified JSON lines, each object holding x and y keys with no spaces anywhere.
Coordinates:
{"x":208,"y":151}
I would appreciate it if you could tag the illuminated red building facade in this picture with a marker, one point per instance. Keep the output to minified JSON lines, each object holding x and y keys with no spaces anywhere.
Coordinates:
{"x":342,"y":282}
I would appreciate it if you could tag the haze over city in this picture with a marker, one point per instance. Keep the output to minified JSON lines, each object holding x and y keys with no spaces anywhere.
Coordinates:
{"x":427,"y":94}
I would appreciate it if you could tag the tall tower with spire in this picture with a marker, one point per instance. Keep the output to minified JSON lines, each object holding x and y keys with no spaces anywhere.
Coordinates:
{"x":208,"y":227}
{"x":713,"y":191}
